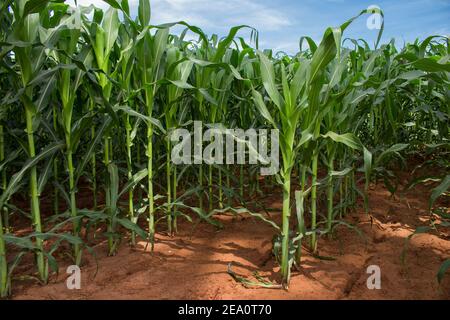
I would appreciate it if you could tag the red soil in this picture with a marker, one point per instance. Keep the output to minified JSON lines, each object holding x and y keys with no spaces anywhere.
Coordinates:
{"x":193,"y":264}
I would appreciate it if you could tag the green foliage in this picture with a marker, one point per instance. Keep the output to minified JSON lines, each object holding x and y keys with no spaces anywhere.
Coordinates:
{"x":98,"y":94}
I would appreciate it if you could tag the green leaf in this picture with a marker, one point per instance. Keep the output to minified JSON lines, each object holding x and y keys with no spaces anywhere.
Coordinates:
{"x":159,"y":45}
{"x":225,"y":43}
{"x":34,"y":6}
{"x":439,"y":190}
{"x":428,"y":64}
{"x":134,"y":113}
{"x":411,"y":75}
{"x":132,"y":227}
{"x":144,"y":12}
{"x":393,"y":149}
{"x":113,"y":186}
{"x":20,"y":242}
{"x":114,"y":4}
{"x":111,"y":27}
{"x":92,"y":146}
{"x":361,"y":95}
{"x":311,"y":44}
{"x":341,"y":173}
{"x":367,"y":174}
{"x":268,"y":78}
{"x":135,"y":179}
{"x":323,"y":55}
{"x":17,"y":178}
{"x":442,"y":270}
{"x":44,"y":175}
{"x":300,"y":209}
{"x":349,"y":139}
{"x":253,"y":214}
{"x":262,"y":107}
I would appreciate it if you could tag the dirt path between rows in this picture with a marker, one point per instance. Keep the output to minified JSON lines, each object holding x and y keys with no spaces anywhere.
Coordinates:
{"x":193,"y":264}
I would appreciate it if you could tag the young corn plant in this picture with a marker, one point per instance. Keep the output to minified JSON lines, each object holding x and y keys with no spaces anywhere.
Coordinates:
{"x":69,"y":81}
{"x":288,"y":104}
{"x":150,"y":49}
{"x":326,"y":52}
{"x":178,"y":71}
{"x":124,"y":72}
{"x":102,"y":39}
{"x":4,"y":214}
{"x":30,"y":59}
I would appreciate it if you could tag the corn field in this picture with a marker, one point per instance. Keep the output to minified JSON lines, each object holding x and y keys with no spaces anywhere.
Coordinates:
{"x":89,"y":99}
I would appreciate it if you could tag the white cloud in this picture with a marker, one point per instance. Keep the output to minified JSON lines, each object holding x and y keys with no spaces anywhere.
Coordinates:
{"x":98,"y":3}
{"x":219,"y":13}
{"x":288,"y":46}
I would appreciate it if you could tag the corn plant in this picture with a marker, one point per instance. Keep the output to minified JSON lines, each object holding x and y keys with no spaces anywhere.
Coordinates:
{"x":69,"y":82}
{"x":178,"y":69}
{"x":124,"y":75}
{"x":102,"y":38}
{"x":150,"y":49}
{"x":288,"y":105}
{"x":30,"y":59}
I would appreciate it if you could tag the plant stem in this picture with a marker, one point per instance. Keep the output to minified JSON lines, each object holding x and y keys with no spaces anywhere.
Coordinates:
{"x":300,"y":227}
{"x":169,"y":191}
{"x":73,"y":203}
{"x":210,"y":192}
{"x":330,"y":192}
{"x":175,"y":228}
{"x":55,"y":166}
{"x":285,"y":272}
{"x":314,"y":201}
{"x":241,"y":181}
{"x":346,"y":193}
{"x":3,"y":263}
{"x":220,"y":190}
{"x":35,"y":210}
{"x":130,"y":174}
{"x":93,"y":162}
{"x":108,"y":196}
{"x":4,"y":180}
{"x":151,"y":217}
{"x":200,"y":183}
{"x":228,"y":186}
{"x":138,"y":160}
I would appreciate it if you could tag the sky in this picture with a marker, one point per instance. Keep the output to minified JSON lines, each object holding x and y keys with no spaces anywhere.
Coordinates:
{"x":282,"y":23}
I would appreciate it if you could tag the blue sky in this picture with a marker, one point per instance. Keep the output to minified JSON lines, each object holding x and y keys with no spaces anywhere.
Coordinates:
{"x":282,"y":23}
